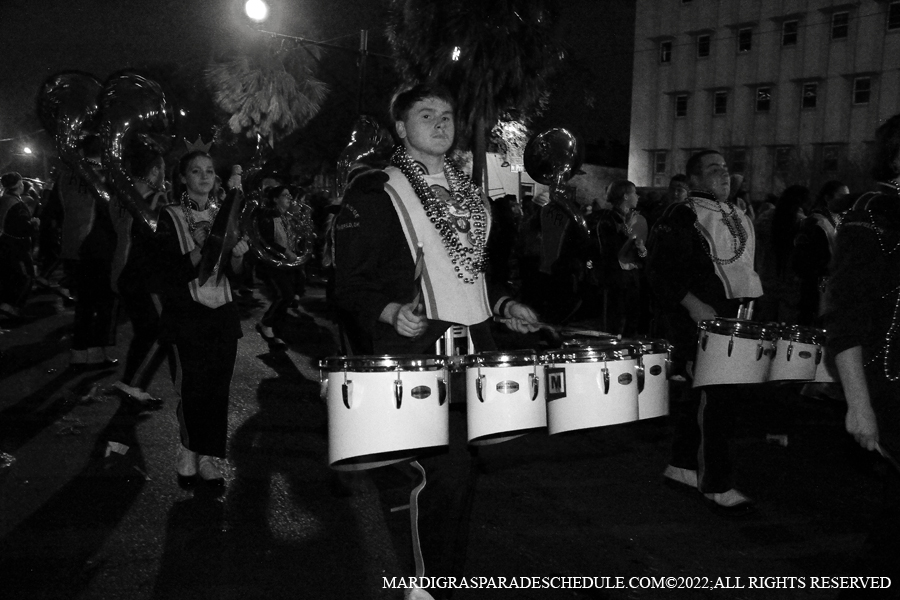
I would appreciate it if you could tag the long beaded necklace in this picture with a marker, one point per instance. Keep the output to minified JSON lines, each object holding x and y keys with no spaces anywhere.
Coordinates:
{"x":895,"y":317}
{"x":468,"y":261}
{"x":732,"y":221}
{"x":212,"y":207}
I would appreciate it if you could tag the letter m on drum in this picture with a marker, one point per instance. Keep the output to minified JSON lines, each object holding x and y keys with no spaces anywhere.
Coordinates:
{"x":556,"y":383}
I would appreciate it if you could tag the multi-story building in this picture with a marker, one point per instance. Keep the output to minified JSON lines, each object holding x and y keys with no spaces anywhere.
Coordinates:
{"x":790,"y":91}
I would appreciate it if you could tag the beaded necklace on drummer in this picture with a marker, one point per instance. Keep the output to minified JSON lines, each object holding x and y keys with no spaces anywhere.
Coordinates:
{"x":732,"y":222}
{"x":212,"y":206}
{"x":468,"y":197}
{"x":892,"y":330}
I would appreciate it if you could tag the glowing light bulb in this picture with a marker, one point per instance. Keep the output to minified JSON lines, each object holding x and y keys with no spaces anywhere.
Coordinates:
{"x":455,"y":55}
{"x":257,"y":10}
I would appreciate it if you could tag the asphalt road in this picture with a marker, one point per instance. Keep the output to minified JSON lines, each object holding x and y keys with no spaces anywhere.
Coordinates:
{"x":587,"y":504}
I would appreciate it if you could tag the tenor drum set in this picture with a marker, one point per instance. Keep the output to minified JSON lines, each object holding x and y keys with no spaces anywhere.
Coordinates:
{"x":739,"y":351}
{"x":387,"y":409}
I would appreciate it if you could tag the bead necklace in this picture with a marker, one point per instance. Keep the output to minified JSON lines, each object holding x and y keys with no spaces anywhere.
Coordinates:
{"x":732,"y":222}
{"x":211,"y":206}
{"x":895,"y":317}
{"x":452,"y":222}
{"x":150,"y":184}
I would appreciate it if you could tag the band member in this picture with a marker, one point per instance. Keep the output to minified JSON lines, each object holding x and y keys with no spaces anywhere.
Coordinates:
{"x":861,"y":319}
{"x":400,"y":300}
{"x":202,"y":320}
{"x":17,"y":227}
{"x":132,"y":278}
{"x":700,"y":266}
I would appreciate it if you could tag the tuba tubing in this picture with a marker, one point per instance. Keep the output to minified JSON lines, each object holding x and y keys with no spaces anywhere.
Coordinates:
{"x":300,"y":230}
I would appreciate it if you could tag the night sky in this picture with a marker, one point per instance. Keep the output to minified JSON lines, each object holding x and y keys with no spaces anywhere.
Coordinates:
{"x":100,"y":37}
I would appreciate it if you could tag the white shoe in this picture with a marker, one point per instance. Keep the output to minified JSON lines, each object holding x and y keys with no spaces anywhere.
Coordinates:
{"x":681,"y":476}
{"x":209,"y":472}
{"x":185,"y":462}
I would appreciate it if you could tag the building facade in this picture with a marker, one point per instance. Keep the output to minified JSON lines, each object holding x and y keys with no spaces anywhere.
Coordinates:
{"x":790,"y":91}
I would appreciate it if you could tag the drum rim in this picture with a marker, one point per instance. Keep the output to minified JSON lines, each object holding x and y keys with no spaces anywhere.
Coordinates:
{"x":749,"y":329}
{"x":655,"y":345}
{"x":383,"y":363}
{"x":803,"y":334}
{"x":594,"y":353}
{"x":501,"y":358}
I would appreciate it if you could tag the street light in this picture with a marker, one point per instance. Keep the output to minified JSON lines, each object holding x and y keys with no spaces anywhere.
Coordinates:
{"x":256,"y":10}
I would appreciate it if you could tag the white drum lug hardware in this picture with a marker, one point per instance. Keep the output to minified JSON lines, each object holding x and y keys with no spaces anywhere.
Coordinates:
{"x":534,"y":383}
{"x":605,"y":372}
{"x":790,"y":351}
{"x":818,"y":355}
{"x":479,"y":385}
{"x":731,"y":345}
{"x":442,"y":390}
{"x":759,"y":349}
{"x":640,"y":373}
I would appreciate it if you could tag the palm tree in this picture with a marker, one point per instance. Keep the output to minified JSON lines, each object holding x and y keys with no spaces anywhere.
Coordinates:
{"x":268,"y":91}
{"x":496,"y":56}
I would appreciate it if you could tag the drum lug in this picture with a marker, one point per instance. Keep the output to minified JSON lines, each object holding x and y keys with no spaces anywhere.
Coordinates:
{"x":640,"y":375}
{"x":605,"y":381}
{"x":479,"y":385}
{"x":533,"y":382}
{"x":759,"y":350}
{"x":703,"y":339}
{"x":790,"y":351}
{"x":668,"y":363}
{"x":818,"y":355}
{"x":398,"y":391}
{"x":346,"y":392}
{"x":731,"y":346}
{"x":442,"y":391}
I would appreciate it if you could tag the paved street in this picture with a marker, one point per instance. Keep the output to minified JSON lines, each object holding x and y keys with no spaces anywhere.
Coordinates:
{"x":74,"y":524}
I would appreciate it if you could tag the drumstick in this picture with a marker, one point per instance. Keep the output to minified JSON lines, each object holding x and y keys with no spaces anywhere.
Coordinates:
{"x":417,"y":278}
{"x":887,"y":456}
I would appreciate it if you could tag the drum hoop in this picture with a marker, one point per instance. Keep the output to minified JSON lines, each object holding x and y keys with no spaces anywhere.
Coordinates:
{"x":804,"y":335}
{"x":740,"y":328}
{"x":511,"y":358}
{"x":650,"y":345}
{"x":379,"y":364}
{"x":592,"y":354}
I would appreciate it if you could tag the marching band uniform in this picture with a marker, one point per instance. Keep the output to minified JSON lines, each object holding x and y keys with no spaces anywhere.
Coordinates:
{"x":684,"y":257}
{"x":204,"y":324}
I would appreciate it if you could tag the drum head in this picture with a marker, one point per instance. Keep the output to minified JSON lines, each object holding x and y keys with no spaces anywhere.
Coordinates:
{"x":376,"y":364}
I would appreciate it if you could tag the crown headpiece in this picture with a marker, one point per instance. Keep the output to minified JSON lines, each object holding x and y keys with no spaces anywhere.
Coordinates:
{"x":198,"y":145}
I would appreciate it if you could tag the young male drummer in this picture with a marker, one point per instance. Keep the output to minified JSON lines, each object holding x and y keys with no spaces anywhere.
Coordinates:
{"x":700,"y":267}
{"x":410,"y":251}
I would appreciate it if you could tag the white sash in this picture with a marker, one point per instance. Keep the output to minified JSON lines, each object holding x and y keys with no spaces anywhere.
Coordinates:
{"x":445,"y":295}
{"x":739,"y":277}
{"x":830,"y":232}
{"x":212,"y":293}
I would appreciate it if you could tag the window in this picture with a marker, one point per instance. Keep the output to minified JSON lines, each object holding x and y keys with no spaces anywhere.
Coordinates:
{"x":782,"y":159}
{"x":893,"y":21}
{"x":659,"y":162}
{"x":703,"y":43}
{"x":831,"y":158}
{"x":840,"y":25}
{"x":665,"y":52}
{"x":745,"y":40}
{"x":862,"y":90}
{"x":720,"y":103}
{"x":763,"y":99}
{"x":789,"y":33}
{"x":810,"y":95}
{"x":737,"y":160}
{"x":681,"y":102}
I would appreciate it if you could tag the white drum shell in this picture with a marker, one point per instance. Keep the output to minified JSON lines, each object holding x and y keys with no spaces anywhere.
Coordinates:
{"x":653,"y":400}
{"x":746,"y":364}
{"x":795,"y":361}
{"x":505,"y":404}
{"x":359,"y":436}
{"x":576,"y":398}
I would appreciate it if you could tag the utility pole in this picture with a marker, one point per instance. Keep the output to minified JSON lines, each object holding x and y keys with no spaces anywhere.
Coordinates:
{"x":363,"y":53}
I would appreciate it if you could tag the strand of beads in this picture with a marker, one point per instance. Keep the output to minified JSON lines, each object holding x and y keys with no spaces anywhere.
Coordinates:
{"x":189,"y":212}
{"x":468,"y":261}
{"x":735,"y":228}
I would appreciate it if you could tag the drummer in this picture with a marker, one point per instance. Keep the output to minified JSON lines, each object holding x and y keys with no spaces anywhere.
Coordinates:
{"x":411,"y":251}
{"x":700,"y":266}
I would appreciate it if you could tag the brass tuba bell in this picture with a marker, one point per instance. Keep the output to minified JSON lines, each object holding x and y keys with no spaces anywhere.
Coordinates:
{"x":552,"y":158}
